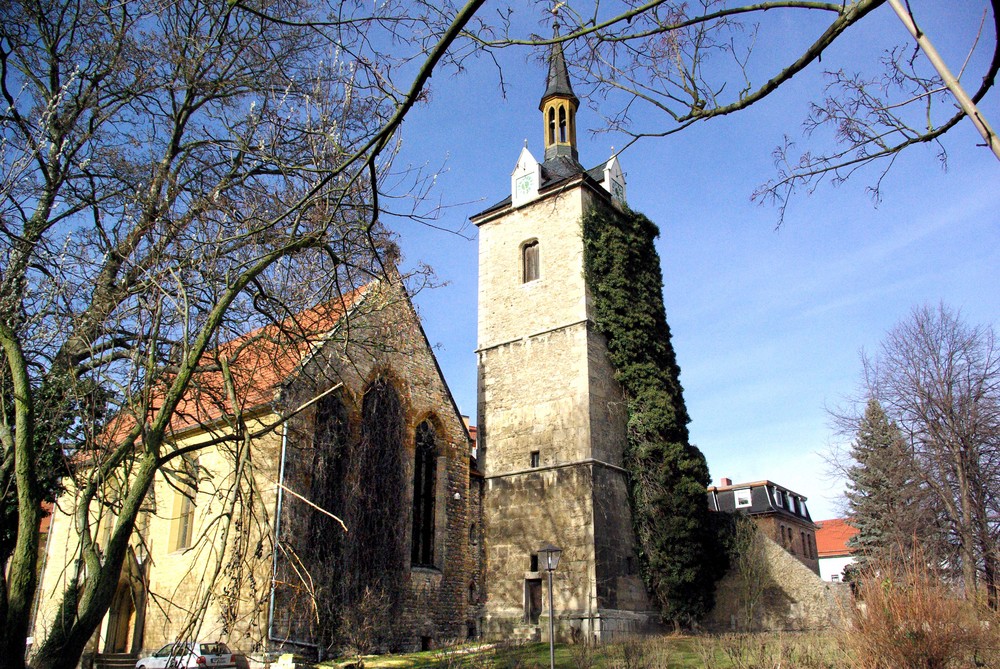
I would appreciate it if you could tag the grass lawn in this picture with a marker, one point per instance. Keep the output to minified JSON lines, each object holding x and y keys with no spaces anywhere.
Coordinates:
{"x":672,"y":652}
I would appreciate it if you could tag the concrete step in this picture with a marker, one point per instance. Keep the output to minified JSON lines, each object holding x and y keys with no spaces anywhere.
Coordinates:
{"x":115,"y":661}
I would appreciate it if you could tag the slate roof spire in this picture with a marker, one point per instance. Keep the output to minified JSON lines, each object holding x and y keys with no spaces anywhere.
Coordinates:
{"x":558,"y":106}
{"x":557,"y":83}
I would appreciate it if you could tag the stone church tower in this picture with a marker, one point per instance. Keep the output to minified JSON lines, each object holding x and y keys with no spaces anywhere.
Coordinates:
{"x":551,"y":416}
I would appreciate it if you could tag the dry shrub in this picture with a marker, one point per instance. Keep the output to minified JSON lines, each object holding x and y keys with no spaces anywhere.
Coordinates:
{"x":773,"y":651}
{"x":908,"y":616}
{"x":583,"y":654}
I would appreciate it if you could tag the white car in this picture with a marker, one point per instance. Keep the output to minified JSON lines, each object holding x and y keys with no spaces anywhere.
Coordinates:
{"x":187,"y":655}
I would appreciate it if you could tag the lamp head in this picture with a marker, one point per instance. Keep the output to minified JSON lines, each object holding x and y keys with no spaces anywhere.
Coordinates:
{"x":550,"y":556}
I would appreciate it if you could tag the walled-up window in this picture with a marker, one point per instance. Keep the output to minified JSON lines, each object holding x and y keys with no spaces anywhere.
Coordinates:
{"x":309,"y":561}
{"x":375,"y":551}
{"x":529,"y":261}
{"x":424,"y":489}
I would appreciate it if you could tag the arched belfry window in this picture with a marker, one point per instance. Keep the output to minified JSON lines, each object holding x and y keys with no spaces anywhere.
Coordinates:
{"x":563,"y":128}
{"x":552,"y":125}
{"x":529,"y":262}
{"x":424,"y":488}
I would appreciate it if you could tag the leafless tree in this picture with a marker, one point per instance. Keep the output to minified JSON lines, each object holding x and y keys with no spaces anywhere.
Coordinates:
{"x":174,"y":174}
{"x":661,"y":66}
{"x":939,"y":379}
{"x":172,"y":167}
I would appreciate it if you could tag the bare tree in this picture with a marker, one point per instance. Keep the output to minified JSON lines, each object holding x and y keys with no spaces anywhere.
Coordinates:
{"x":661,"y":66}
{"x":939,"y":379}
{"x":174,"y":173}
{"x":178,"y":172}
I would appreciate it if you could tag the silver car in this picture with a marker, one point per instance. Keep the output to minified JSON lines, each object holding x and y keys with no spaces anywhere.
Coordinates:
{"x":197,"y":655}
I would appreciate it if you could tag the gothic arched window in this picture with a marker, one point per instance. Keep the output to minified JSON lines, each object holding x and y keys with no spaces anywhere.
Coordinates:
{"x":424,"y":489}
{"x":529,"y":262}
{"x":563,"y":128}
{"x":552,"y":126}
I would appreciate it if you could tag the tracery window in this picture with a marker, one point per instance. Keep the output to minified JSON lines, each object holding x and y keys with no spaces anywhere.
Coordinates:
{"x":424,"y":489}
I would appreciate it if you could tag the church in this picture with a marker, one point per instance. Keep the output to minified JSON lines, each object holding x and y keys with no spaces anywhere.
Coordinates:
{"x":441,"y":530}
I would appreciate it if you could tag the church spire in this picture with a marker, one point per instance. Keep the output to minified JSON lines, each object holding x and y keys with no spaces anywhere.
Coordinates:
{"x":558,"y":106}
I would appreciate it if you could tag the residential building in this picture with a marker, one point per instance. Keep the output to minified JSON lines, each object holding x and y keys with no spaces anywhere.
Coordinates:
{"x":832,"y":542}
{"x":780,"y":513}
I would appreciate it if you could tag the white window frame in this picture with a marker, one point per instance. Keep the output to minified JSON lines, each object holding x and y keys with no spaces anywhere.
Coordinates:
{"x":743,"y":498}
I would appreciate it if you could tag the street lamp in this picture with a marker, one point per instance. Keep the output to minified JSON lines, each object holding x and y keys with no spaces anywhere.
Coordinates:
{"x":550,"y":554}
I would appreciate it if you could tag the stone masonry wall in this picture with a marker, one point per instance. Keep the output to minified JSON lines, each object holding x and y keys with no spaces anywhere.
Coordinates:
{"x":552,"y":428}
{"x":794,"y":598}
{"x":435,"y":609}
{"x":775,"y":526}
{"x":384,"y":339}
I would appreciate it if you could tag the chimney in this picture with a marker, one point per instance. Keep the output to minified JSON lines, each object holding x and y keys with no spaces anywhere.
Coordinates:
{"x":725,"y":482}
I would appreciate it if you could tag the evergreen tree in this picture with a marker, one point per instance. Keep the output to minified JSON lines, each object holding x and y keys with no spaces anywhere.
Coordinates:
{"x":668,"y":476}
{"x":883,"y":499}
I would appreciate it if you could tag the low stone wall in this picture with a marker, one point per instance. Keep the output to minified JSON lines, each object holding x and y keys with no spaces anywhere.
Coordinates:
{"x":792,"y":597}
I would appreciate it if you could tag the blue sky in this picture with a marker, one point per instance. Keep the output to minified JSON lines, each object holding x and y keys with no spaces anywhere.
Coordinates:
{"x":767,"y":324}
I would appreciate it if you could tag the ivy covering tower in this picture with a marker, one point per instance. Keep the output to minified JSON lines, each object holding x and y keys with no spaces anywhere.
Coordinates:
{"x":667,"y":475}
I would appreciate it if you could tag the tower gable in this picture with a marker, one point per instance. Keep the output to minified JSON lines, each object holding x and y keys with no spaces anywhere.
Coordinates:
{"x":525,"y":179}
{"x":614,"y":181}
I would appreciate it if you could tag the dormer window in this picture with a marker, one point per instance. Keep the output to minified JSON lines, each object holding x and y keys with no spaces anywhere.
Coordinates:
{"x":743,"y":499}
{"x":529,"y":261}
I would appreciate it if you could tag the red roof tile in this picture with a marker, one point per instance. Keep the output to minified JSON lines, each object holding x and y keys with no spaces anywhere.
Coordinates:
{"x":832,"y":537}
{"x":259,"y":362}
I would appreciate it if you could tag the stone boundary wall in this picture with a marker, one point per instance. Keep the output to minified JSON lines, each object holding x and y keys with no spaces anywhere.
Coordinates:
{"x":794,"y":598}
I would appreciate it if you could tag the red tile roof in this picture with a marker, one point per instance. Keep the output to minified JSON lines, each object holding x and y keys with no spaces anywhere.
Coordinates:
{"x":832,"y":537}
{"x":259,"y":362}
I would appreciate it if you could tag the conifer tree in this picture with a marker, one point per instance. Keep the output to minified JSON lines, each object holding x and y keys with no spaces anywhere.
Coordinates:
{"x":883,"y":499}
{"x":667,"y":474}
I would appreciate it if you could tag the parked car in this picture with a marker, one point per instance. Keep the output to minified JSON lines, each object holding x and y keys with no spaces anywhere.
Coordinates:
{"x":197,"y":655}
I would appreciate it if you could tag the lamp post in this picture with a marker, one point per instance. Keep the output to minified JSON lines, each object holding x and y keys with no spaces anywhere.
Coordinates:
{"x":551,"y":556}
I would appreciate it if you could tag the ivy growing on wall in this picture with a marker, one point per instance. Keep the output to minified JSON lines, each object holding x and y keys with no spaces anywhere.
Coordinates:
{"x":336,"y":590}
{"x":668,"y":475}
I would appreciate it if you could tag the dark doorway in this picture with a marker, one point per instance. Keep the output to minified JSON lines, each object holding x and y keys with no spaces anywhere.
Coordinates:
{"x":532,"y":600}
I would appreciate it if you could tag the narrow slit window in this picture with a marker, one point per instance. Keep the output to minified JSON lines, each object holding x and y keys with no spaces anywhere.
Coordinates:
{"x":535,"y":458}
{"x":529,"y":261}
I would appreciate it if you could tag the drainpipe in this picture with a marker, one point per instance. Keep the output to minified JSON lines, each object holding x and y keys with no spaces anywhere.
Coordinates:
{"x":277,"y":532}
